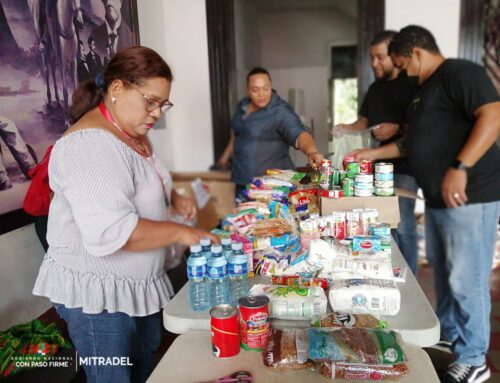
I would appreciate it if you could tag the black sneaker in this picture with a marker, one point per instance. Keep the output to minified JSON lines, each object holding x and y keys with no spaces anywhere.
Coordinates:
{"x":465,"y":373}
{"x":444,"y":346}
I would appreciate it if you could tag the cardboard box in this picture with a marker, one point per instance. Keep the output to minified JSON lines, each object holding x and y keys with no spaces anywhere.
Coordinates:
{"x":218,"y":185}
{"x":388,"y":207}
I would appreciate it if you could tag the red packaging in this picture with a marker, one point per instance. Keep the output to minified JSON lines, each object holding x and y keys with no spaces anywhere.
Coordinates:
{"x":365,"y":167}
{"x":339,"y":225}
{"x":254,"y":322}
{"x":225,"y":334}
{"x":335,"y":193}
{"x":348,"y":159}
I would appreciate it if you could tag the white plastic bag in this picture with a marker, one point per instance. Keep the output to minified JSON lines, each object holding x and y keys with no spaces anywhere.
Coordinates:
{"x":340,"y":146}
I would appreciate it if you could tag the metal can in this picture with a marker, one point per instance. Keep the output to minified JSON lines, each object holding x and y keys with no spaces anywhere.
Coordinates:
{"x":384,"y":167}
{"x":365,"y":167}
{"x":384,"y":192}
{"x":384,"y":184}
{"x":363,"y":192}
{"x":342,"y":175}
{"x":326,"y":162}
{"x":352,"y":169}
{"x":384,"y":176}
{"x":348,"y":187}
{"x":225,"y":334}
{"x":325,"y":177}
{"x":255,"y":326}
{"x":364,"y":178}
{"x":335,"y":177}
{"x":348,"y":159}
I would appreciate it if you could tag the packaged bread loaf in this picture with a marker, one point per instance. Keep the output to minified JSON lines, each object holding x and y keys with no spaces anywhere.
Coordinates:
{"x":333,"y":370}
{"x":287,"y":350}
{"x":338,"y":319}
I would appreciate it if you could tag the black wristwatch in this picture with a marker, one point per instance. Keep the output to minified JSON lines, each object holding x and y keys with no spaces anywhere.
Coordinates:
{"x":459,"y":165}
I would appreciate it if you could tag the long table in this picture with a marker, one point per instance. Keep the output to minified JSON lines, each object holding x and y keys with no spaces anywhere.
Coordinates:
{"x":190,"y":360}
{"x":416,"y":321}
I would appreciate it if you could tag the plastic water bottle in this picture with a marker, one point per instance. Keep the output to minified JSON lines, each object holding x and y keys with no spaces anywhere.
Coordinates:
{"x":237,"y":248}
{"x":238,"y":277}
{"x":217,"y":274}
{"x":206,"y":245}
{"x":227,"y":251}
{"x":199,"y":287}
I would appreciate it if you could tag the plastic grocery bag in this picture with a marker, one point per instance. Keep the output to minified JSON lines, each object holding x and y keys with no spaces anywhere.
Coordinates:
{"x":340,"y":146}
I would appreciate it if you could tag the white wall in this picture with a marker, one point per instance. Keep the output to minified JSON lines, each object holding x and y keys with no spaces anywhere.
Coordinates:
{"x":177,"y":29}
{"x":20,"y":257}
{"x":441,"y":17}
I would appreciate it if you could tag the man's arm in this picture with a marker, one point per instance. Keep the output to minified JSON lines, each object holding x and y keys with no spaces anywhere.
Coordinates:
{"x":483,"y":136}
{"x":227,"y":154}
{"x":306,"y":144}
{"x":357,"y":126}
{"x":393,"y":150}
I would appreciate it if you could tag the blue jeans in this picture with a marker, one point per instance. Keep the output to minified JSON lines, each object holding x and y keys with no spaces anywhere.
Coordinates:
{"x":406,"y":233}
{"x":114,"y":335}
{"x":460,"y":245}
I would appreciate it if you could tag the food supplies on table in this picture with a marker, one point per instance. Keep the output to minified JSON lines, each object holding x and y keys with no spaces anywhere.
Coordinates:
{"x":269,"y":182}
{"x":286,"y":174}
{"x":293,"y":303}
{"x":303,"y":203}
{"x":287,"y":350}
{"x":299,"y":281}
{"x":270,"y":228}
{"x":376,"y":266}
{"x":365,"y":296}
{"x":346,"y":371}
{"x":338,"y":319}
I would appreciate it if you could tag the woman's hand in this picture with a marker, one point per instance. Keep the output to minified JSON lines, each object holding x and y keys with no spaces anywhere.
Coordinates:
{"x":186,"y":207}
{"x":315,"y":159}
{"x":192,"y":235}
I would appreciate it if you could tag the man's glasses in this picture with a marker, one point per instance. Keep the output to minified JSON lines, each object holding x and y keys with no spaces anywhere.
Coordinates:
{"x":152,"y":104}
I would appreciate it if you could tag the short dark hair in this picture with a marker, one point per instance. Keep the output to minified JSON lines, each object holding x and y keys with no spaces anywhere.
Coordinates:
{"x":257,"y":70}
{"x":412,"y":36}
{"x":383,"y":37}
{"x":89,"y":40}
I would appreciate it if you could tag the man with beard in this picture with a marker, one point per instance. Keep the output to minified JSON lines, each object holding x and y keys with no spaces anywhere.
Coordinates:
{"x":384,"y":109}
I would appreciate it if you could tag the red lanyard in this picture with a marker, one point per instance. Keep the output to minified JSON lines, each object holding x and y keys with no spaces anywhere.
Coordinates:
{"x":149,"y":157}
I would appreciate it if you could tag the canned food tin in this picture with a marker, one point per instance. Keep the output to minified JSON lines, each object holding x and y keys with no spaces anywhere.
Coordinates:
{"x":335,"y":177}
{"x":342,"y":175}
{"x":326,"y":162}
{"x":384,"y":184}
{"x":384,"y":176}
{"x":352,"y":169}
{"x":365,"y":167}
{"x":363,"y":193}
{"x":336,"y":192}
{"x":348,"y":187}
{"x":384,"y":192}
{"x":225,"y":334}
{"x":325,"y":177}
{"x":363,"y":186}
{"x":384,"y":167}
{"x":254,"y":322}
{"x":364,"y":178}
{"x":348,"y":159}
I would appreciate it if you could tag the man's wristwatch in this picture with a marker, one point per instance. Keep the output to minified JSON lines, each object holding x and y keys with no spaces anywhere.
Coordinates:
{"x":459,"y":165}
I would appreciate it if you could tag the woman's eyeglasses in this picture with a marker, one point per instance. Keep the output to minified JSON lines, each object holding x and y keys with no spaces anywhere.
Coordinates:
{"x":152,"y":104}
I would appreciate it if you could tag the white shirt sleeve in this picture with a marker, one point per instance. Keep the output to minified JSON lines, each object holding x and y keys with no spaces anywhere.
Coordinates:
{"x":93,"y":175}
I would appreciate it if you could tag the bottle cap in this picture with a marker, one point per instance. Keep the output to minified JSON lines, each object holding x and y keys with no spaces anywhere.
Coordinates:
{"x":195,"y":248}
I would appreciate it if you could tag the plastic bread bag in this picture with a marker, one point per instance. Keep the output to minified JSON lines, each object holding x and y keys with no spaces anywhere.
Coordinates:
{"x":377,"y":266}
{"x":269,"y":182}
{"x":349,"y":371}
{"x":287,"y":350}
{"x":293,"y":303}
{"x":271,"y":227}
{"x":355,"y":345}
{"x":337,"y":320}
{"x":287,"y":175}
{"x":279,"y":193}
{"x":365,"y":296}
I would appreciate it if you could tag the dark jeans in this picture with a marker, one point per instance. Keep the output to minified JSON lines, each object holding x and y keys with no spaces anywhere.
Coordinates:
{"x":111,"y":335}
{"x":238,"y":192}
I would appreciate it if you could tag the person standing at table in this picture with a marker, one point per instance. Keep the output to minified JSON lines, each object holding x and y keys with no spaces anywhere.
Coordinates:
{"x":451,"y":150}
{"x":385,"y":106}
{"x":108,"y":223}
{"x":263,"y":128}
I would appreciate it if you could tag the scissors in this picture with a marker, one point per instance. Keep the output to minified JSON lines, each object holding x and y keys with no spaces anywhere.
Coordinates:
{"x":238,"y":376}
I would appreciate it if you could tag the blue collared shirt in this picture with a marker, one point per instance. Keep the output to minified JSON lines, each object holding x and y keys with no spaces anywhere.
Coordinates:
{"x":263,"y":139}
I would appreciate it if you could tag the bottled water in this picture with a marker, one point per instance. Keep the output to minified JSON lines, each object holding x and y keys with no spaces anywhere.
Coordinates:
{"x":206,"y":245}
{"x":199,"y":287}
{"x":238,"y":277}
{"x":237,"y":248}
{"x":217,"y":274}
{"x":226,"y":247}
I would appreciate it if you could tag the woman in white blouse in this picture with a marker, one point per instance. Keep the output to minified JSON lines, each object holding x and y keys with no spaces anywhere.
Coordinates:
{"x":108,"y":225}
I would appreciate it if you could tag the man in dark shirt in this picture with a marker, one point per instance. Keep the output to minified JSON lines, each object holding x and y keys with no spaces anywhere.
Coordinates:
{"x":263,"y":129}
{"x":451,"y":150}
{"x":384,"y":110}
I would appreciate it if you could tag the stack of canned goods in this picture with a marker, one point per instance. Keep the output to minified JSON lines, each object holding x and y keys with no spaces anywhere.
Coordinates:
{"x":384,"y":179}
{"x":329,"y":180}
{"x":363,"y":185}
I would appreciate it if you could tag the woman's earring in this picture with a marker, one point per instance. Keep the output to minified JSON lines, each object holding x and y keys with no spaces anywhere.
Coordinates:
{"x":113,"y":100}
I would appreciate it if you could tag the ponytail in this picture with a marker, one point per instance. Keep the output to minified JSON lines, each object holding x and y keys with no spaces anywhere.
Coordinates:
{"x":85,"y":98}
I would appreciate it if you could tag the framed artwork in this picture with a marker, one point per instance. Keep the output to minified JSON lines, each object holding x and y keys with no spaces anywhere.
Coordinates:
{"x":47,"y":47}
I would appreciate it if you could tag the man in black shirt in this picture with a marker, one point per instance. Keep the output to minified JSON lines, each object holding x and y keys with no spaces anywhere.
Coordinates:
{"x":384,"y":110}
{"x":451,"y":150}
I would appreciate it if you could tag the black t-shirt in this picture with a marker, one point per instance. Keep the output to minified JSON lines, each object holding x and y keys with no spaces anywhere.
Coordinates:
{"x":388,"y":101}
{"x":441,"y":122}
